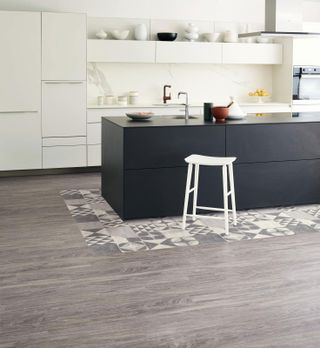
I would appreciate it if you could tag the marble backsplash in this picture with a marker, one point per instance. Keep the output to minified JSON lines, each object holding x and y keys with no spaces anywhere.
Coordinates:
{"x":203,"y":82}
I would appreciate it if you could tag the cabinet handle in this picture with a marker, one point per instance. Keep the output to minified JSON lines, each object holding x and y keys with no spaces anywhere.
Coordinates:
{"x":19,"y":112}
{"x":63,"y":82}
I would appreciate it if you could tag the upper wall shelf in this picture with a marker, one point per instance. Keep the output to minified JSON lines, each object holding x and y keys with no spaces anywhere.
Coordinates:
{"x":127,"y":51}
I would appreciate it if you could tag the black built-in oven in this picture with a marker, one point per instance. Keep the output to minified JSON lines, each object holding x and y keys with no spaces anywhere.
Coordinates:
{"x":306,"y":83}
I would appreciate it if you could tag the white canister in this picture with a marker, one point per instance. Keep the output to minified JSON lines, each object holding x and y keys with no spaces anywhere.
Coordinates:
{"x":140,"y":32}
{"x":230,"y":36}
{"x":100,"y":100}
{"x":133,"y":97}
{"x":122,"y":100}
{"x":109,"y":99}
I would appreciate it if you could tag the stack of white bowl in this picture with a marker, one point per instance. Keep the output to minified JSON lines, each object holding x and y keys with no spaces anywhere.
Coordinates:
{"x":191,"y":32}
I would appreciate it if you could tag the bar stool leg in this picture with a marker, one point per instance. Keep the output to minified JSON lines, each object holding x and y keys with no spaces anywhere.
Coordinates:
{"x":233,"y":198}
{"x":186,"y":197}
{"x":225,"y":198}
{"x":195,"y":192}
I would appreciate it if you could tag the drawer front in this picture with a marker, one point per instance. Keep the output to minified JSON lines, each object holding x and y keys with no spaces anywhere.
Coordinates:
{"x":160,"y":192}
{"x":261,"y":185}
{"x":67,"y":141}
{"x":160,"y":147}
{"x":94,"y":155}
{"x":64,"y":156}
{"x":94,"y":133}
{"x":276,"y":142}
{"x":20,"y":141}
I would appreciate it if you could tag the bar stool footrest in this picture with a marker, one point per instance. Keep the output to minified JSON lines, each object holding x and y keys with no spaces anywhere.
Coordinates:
{"x":211,"y":209}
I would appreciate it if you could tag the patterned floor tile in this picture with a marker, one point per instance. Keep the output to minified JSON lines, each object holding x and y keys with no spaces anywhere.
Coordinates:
{"x":102,"y":228}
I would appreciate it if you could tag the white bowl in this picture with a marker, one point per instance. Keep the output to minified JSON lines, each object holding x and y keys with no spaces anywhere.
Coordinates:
{"x":211,"y":37}
{"x":120,"y":34}
{"x":261,"y":39}
{"x":101,"y":34}
{"x":191,"y":36}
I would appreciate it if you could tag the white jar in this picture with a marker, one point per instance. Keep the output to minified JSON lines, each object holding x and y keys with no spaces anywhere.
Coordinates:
{"x":133,"y":97}
{"x":140,"y":32}
{"x":122,"y":100}
{"x":100,"y":100}
{"x":230,"y":36}
{"x":109,"y":99}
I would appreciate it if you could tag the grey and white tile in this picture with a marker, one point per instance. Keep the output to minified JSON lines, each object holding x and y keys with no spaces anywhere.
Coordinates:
{"x":102,"y":228}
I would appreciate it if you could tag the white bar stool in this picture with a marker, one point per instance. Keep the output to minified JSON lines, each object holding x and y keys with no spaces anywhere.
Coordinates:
{"x":227,"y":168}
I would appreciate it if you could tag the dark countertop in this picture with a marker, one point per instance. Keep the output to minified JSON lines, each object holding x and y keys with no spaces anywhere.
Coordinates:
{"x":170,"y":121}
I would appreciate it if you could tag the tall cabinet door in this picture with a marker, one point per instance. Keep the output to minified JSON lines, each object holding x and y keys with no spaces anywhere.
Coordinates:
{"x":20,"y":90}
{"x":64,"y":40}
{"x":20,"y":61}
{"x":64,"y":109}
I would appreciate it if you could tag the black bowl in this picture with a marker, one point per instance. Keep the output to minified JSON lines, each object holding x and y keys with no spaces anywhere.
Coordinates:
{"x":167,"y":36}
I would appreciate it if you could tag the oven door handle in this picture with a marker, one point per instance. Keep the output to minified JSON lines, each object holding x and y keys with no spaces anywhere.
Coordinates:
{"x":315,"y":76}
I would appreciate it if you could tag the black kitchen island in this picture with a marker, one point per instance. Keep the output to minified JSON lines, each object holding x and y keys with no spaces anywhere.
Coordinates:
{"x":144,"y":173}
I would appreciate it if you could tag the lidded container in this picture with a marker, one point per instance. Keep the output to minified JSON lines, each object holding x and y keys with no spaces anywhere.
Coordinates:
{"x":133,"y":97}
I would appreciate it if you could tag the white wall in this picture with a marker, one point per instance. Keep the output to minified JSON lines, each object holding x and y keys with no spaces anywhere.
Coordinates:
{"x":223,"y":10}
{"x":203,"y":82}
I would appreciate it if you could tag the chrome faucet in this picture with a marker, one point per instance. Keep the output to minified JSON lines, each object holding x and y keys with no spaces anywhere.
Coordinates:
{"x":186,"y":105}
{"x":165,"y":96}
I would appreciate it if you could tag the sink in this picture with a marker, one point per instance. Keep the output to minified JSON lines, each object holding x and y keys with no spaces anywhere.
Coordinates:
{"x":181,"y":117}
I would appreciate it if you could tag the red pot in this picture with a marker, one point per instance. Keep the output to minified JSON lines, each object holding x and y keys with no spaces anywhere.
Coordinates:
{"x":220,"y":113}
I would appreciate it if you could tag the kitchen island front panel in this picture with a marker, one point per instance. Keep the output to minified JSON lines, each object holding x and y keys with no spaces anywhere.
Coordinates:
{"x":273,"y":142}
{"x":160,"y":192}
{"x":262,"y":185}
{"x":162,"y":147}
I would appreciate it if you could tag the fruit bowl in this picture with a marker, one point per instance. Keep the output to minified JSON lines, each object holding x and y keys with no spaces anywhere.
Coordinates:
{"x":261,"y":99}
{"x":259,"y":95}
{"x":140,"y":116}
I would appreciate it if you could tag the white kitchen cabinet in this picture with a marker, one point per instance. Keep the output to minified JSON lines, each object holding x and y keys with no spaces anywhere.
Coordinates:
{"x":94,"y":133}
{"x":247,"y":53}
{"x":64,"y":40}
{"x":63,"y":108}
{"x":20,"y":140}
{"x":121,"y":51}
{"x":64,"y":156}
{"x":94,"y":155}
{"x":306,"y":51}
{"x":267,"y":107}
{"x":188,"y":52}
{"x":20,"y":61}
{"x":306,"y":107}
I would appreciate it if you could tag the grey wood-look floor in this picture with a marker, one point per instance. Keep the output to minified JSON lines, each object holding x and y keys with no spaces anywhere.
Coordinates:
{"x":57,"y":292}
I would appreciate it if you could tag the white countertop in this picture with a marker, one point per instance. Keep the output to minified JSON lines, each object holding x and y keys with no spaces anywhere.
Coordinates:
{"x":173,"y":105}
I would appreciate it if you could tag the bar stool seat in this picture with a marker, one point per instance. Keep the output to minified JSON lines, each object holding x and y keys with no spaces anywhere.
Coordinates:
{"x":195,"y":161}
{"x":209,"y":160}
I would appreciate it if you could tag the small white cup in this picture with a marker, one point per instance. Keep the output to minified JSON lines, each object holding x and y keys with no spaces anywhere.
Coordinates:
{"x":100,"y":100}
{"x":122,"y":100}
{"x":109,"y":99}
{"x":230,"y":36}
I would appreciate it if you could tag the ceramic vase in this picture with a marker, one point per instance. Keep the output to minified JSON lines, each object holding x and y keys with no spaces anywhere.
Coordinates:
{"x":140,"y":32}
